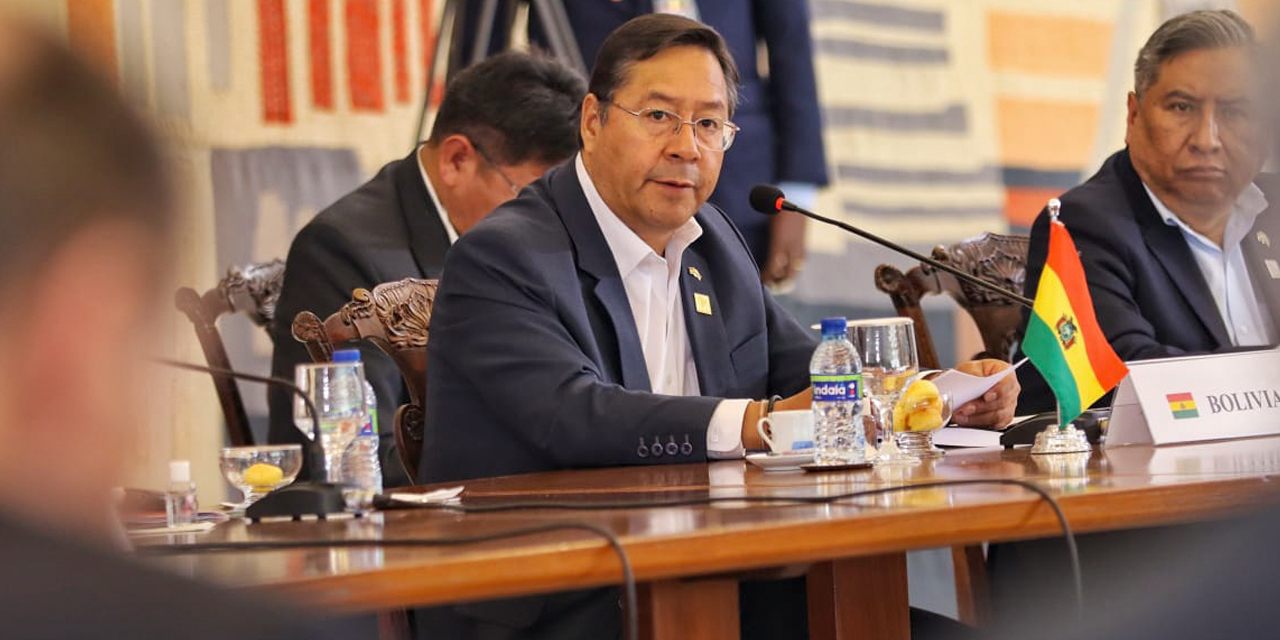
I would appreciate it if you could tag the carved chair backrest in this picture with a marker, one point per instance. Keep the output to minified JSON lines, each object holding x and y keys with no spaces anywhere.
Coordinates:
{"x":395,"y":316}
{"x":252,"y":290}
{"x":999,"y":259}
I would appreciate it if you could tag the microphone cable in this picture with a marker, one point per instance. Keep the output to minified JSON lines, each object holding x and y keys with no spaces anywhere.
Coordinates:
{"x":631,"y":610}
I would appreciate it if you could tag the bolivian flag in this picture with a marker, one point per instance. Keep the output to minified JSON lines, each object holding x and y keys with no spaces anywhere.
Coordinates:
{"x":1063,"y":339}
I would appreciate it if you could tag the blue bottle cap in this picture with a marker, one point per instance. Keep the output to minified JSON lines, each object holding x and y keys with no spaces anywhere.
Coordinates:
{"x":835,"y":326}
{"x":346,"y":355}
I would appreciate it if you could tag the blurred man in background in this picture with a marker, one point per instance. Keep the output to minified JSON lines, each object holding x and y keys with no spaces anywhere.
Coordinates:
{"x":502,"y":124}
{"x":85,"y":210}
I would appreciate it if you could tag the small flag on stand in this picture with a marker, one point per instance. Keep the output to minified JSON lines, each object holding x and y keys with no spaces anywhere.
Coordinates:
{"x":1063,"y":339}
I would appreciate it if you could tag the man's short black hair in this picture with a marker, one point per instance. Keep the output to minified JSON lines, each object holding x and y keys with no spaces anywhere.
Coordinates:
{"x":647,"y":36}
{"x":74,"y":153}
{"x":516,"y":106}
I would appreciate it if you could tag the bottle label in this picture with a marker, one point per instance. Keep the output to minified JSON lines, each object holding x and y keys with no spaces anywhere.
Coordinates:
{"x":837,"y":388}
{"x":371,"y":425}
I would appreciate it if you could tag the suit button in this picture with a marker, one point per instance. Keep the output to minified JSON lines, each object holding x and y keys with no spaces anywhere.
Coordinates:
{"x":643,"y":449}
{"x":687,"y":447}
{"x":656,"y":449}
{"x":672,"y":447}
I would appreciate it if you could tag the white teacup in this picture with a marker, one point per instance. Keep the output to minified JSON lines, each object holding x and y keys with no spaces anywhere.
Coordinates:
{"x":788,"y":431}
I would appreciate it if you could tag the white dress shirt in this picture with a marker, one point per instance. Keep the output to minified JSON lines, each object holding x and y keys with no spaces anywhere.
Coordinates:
{"x":1248,"y":321}
{"x":431,"y":191}
{"x":652,"y":283}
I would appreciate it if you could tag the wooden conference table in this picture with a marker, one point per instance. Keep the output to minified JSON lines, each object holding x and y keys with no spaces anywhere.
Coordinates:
{"x":688,"y":559}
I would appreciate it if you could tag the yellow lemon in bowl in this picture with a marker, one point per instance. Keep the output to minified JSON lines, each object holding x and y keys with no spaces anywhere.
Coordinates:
{"x":263,"y":476}
{"x":919,"y":408}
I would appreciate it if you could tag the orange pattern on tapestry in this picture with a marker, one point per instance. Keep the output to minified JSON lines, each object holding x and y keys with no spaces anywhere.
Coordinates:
{"x":321,"y":46}
{"x":1048,"y":44}
{"x":274,"y":60}
{"x":400,"y":49}
{"x":364,"y":62}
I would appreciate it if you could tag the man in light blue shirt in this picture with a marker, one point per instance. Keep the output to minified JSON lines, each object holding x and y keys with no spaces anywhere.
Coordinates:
{"x":1225,"y":270}
{"x":1176,"y":238}
{"x":1175,"y":231}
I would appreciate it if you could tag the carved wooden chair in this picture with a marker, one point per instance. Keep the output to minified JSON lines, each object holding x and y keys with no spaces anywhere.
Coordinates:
{"x":1001,"y":260}
{"x":253,"y":290}
{"x":395,"y":316}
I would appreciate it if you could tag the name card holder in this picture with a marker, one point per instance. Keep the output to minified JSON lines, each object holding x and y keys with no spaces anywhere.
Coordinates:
{"x":1197,"y":398}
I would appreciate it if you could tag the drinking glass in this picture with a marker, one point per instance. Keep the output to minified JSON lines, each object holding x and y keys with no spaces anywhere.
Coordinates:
{"x":337,"y":389}
{"x":887,"y":347}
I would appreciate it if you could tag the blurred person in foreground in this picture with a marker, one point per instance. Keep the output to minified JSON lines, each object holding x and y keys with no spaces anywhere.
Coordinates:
{"x":503,"y":122}
{"x":86,"y":211}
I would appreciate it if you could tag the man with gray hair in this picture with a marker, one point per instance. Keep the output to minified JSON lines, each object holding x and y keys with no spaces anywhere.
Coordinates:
{"x":1174,"y":231}
{"x":1175,"y":236}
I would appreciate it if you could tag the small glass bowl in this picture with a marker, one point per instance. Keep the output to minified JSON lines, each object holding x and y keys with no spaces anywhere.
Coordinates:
{"x":259,"y":470}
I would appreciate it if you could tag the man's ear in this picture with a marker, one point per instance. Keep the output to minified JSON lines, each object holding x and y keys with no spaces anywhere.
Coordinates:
{"x":591,"y":121}
{"x":457,"y":160}
{"x":1133,"y":109}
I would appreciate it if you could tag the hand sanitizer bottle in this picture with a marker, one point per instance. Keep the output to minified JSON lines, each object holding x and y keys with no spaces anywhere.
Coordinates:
{"x":180,"y":500}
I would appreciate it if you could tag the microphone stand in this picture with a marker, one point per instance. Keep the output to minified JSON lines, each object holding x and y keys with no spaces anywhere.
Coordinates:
{"x":299,"y":498}
{"x":780,"y":204}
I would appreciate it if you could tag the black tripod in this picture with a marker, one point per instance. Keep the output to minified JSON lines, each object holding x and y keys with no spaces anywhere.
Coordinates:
{"x":551,"y":18}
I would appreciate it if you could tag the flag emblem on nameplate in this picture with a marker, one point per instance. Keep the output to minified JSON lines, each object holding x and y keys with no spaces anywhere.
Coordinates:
{"x":1182,"y":405}
{"x":702,"y":303}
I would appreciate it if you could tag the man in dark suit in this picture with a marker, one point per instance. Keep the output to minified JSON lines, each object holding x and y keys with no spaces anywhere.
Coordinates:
{"x":610,"y":316}
{"x":781,"y":120}
{"x":1175,"y":239}
{"x":1174,"y":234}
{"x":87,"y":215}
{"x":502,"y":123}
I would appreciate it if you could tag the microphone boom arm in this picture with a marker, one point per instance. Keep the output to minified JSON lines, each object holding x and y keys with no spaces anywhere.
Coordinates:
{"x":971,"y":279}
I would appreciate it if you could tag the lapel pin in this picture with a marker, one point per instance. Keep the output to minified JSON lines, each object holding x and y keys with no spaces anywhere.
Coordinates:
{"x":1273,"y":268}
{"x":702,"y":303}
{"x":693,"y":271}
{"x":1263,"y":239}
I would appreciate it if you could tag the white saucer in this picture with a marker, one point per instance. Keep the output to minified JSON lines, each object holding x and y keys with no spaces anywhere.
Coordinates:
{"x":780,"y":461}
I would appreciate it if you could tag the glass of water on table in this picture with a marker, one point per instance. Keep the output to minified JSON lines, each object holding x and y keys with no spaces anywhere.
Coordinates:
{"x":337,"y":389}
{"x":887,"y":347}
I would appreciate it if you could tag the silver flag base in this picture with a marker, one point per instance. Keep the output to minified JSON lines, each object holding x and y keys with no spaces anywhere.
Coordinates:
{"x":1055,"y":440}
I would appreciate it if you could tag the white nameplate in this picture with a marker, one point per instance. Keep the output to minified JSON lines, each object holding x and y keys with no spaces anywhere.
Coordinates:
{"x":1195,"y":398}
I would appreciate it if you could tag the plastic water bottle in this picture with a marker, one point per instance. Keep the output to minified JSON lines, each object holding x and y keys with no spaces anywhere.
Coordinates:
{"x":361,"y":467}
{"x":836,"y":375}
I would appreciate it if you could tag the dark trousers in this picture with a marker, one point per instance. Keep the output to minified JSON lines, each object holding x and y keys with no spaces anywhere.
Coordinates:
{"x":772,"y":610}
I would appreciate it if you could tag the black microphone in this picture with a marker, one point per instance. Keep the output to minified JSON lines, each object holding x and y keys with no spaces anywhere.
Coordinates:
{"x":300,"y":498}
{"x":770,"y":200}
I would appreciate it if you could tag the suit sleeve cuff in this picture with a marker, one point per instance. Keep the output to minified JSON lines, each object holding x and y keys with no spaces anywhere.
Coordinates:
{"x":724,"y":433}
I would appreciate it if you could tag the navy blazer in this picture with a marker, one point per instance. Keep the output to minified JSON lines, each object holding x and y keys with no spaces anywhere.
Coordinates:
{"x":1148,"y":293}
{"x":386,"y":230}
{"x":535,"y":362}
{"x":781,"y":120}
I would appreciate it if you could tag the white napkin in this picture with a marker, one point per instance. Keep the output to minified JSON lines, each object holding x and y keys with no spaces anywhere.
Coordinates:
{"x":439,"y":496}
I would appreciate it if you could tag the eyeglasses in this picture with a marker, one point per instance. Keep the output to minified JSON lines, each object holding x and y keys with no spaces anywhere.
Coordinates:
{"x":515,"y":188}
{"x":714,"y":134}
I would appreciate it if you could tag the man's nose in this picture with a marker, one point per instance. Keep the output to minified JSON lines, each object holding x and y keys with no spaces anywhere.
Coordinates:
{"x":1206,"y":136}
{"x":683,"y":145}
